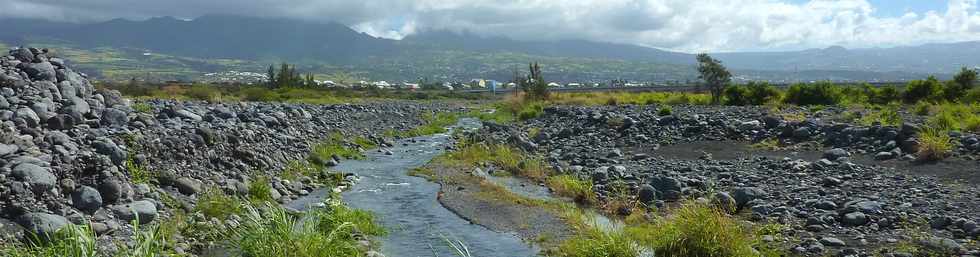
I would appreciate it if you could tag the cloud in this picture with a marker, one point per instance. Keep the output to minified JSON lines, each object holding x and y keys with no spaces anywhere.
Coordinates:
{"x":703,"y":25}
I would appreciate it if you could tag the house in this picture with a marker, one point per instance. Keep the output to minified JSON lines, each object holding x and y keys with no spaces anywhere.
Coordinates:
{"x":553,"y":84}
{"x":573,"y":85}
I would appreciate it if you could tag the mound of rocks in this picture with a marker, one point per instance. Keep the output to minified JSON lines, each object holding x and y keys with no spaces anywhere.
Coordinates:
{"x":71,"y":153}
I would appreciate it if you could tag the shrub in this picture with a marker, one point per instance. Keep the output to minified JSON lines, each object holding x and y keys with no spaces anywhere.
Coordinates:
{"x":922,"y":108}
{"x":918,"y":90}
{"x":885,"y":115}
{"x":665,"y":110}
{"x":934,"y":144}
{"x":696,"y":230}
{"x":530,"y":111}
{"x":569,"y":186}
{"x":821,"y":93}
{"x":258,"y":94}
{"x":203,"y":92}
{"x":736,"y":95}
{"x":971,"y":96}
{"x":884,"y":95}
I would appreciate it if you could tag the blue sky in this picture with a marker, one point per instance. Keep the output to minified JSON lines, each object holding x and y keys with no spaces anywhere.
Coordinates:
{"x":897,"y":8}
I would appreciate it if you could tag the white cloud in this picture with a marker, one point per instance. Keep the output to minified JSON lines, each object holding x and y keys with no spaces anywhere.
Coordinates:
{"x":703,"y":25}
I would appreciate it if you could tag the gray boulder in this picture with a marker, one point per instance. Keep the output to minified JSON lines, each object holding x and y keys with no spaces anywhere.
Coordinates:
{"x":86,"y":198}
{"x":23,"y":55}
{"x":42,"y":225}
{"x":855,"y":219}
{"x":114,"y":117}
{"x":744,"y":195}
{"x":188,"y":186}
{"x":836,"y":153}
{"x":647,"y":194}
{"x":39,"y":177}
{"x":144,"y":211}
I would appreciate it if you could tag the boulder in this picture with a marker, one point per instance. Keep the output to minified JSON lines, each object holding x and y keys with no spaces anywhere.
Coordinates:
{"x":42,"y":225}
{"x":86,"y":198}
{"x":40,"y":178}
{"x":143,"y":211}
{"x":744,"y":195}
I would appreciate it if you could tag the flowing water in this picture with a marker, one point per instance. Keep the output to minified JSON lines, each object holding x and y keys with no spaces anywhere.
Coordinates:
{"x":418,"y":225}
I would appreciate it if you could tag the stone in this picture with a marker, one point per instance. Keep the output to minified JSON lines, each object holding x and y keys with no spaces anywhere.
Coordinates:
{"x":832,"y":242}
{"x":42,"y":225}
{"x":143,"y":211}
{"x":647,"y":194}
{"x":114,"y":117}
{"x":855,"y":219}
{"x":884,"y":156}
{"x":23,"y":55}
{"x":744,"y":195}
{"x":189,"y":115}
{"x":725,"y":202}
{"x":39,"y":177}
{"x":61,"y":122}
{"x":802,"y":133}
{"x":835,"y":154}
{"x":826,"y":205}
{"x":111,"y":191}
{"x":669,"y":187}
{"x":6,"y":149}
{"x":188,"y":186}
{"x":29,"y":116}
{"x":40,"y":71}
{"x":86,"y":198}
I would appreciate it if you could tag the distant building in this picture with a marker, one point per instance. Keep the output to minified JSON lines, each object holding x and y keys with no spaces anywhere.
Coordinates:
{"x":553,"y":84}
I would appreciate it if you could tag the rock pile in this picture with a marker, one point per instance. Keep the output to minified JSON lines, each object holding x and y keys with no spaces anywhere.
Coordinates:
{"x":71,"y":153}
{"x":830,"y":203}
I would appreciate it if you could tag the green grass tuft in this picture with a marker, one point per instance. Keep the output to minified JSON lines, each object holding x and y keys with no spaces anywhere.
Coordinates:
{"x":569,"y":186}
{"x":696,"y":230}
{"x":214,"y":203}
{"x":319,"y":232}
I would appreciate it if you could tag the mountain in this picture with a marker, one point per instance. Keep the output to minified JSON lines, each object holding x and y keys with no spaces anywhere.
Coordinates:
{"x":185,"y":49}
{"x":929,"y":58}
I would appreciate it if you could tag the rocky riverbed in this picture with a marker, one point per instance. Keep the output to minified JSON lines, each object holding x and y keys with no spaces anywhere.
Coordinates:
{"x":72,"y":153}
{"x":830,"y":185}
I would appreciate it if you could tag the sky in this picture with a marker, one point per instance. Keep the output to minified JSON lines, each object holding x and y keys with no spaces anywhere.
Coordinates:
{"x":679,"y":25}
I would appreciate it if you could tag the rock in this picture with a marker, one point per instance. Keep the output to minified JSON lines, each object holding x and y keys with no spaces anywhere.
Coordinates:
{"x":111,"y":191}
{"x":669,"y":187}
{"x":189,"y":115}
{"x":835,"y":154}
{"x":866,"y":207}
{"x":40,"y":71}
{"x":114,"y":117}
{"x":647,"y":194}
{"x":832,"y":242}
{"x":144,"y":211}
{"x":23,"y":55}
{"x":802,"y":133}
{"x":725,"y":202}
{"x":884,"y":156}
{"x":29,"y":116}
{"x":61,"y":122}
{"x":86,"y":198}
{"x":39,"y":177}
{"x":826,"y":205}
{"x":830,"y":182}
{"x":42,"y":225}
{"x":855,"y":219}
{"x":188,"y":186}
{"x":6,"y":149}
{"x":744,"y":195}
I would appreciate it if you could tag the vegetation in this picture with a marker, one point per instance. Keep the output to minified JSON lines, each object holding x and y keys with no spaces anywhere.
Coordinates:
{"x":572,"y":187}
{"x":715,"y":75}
{"x":753,"y":93}
{"x":319,"y":232}
{"x":215,"y":203}
{"x":80,"y":241}
{"x":259,"y":190}
{"x":697,"y":230}
{"x":595,"y":243}
{"x":512,"y":160}
{"x":435,"y":123}
{"x":934,"y":144}
{"x":534,"y":85}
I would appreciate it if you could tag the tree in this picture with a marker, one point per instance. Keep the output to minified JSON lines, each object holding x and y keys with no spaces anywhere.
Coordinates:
{"x":536,"y":87}
{"x":966,"y":78}
{"x":309,"y":81}
{"x":715,"y":75}
{"x":271,"y":74}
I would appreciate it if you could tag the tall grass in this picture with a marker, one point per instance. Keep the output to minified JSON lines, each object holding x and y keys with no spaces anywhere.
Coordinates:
{"x":510,"y":159}
{"x":569,"y":186}
{"x":696,"y":230}
{"x":595,"y":243}
{"x":934,"y":144}
{"x":215,"y":203}
{"x":318,"y":232}
{"x":71,"y":241}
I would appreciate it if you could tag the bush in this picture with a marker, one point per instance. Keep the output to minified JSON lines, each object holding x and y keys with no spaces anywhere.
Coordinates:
{"x":696,"y":230}
{"x":259,"y":190}
{"x":736,"y":95}
{"x":203,"y":92}
{"x":531,"y":111}
{"x":934,"y":144}
{"x":884,"y":95}
{"x":919,"y":90}
{"x":70,"y":241}
{"x":971,"y":96}
{"x":665,"y":110}
{"x":821,"y":93}
{"x":258,"y":94}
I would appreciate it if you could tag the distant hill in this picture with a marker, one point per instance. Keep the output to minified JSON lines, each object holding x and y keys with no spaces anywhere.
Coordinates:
{"x":185,"y":49}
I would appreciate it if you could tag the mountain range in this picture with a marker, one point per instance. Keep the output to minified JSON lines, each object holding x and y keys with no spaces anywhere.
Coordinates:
{"x":170,"y":48}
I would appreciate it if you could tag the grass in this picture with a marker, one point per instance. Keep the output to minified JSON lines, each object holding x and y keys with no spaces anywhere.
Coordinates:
{"x":572,"y":187}
{"x":771,"y":144}
{"x":934,"y":144}
{"x":885,"y":115}
{"x":259,"y":190}
{"x":665,"y":110}
{"x":595,"y":243}
{"x":80,"y":241}
{"x":142,"y":108}
{"x":138,"y":173}
{"x":629,"y":98}
{"x":508,"y":158}
{"x":435,"y":123}
{"x":697,"y":230}
{"x":319,"y":232}
{"x":335,"y":144}
{"x":215,"y":203}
